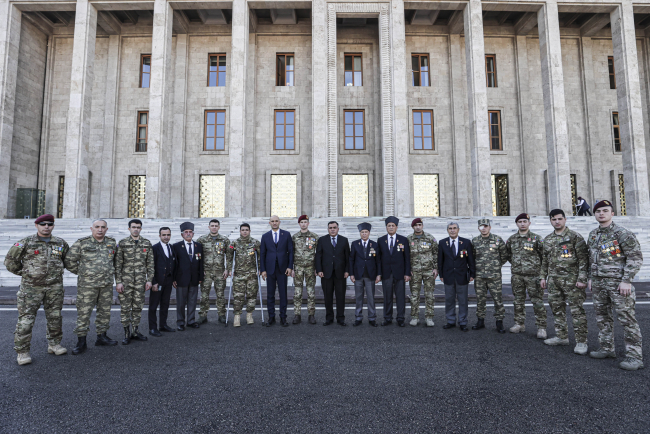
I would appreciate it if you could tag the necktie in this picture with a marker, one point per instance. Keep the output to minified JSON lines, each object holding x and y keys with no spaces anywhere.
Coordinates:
{"x":333,"y":241}
{"x":275,"y":236}
{"x":190,"y":252}
{"x":453,"y":246}
{"x":169,"y":251}
{"x":365,"y":248}
{"x":391,"y":245}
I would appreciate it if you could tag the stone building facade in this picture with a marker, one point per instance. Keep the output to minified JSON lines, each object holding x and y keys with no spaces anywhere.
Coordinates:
{"x":252,"y":107}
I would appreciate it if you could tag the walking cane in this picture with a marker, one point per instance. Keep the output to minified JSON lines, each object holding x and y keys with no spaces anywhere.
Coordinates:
{"x":232,"y":279}
{"x":259,"y":288}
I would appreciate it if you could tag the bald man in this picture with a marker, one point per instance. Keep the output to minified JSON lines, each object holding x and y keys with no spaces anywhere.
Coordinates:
{"x":276,"y":265}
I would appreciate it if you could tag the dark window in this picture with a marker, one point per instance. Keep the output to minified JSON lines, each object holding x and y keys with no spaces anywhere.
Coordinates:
{"x":143,"y":132}
{"x":215,"y":130}
{"x":612,"y":73}
{"x":491,"y":70}
{"x":617,"y":132}
{"x":285,"y":70}
{"x":494,"y":117}
{"x":59,"y":202}
{"x":145,"y":70}
{"x":284,"y":134}
{"x":420,"y":64}
{"x":216,"y":70}
{"x":423,"y":130}
{"x":353,"y":70}
{"x":354,"y":129}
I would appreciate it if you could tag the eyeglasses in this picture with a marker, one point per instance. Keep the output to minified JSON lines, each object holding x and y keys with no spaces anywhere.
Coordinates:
{"x":46,"y":224}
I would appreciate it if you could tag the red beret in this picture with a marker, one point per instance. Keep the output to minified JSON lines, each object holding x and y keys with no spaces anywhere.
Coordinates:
{"x":603,"y":203}
{"x":521,"y":216}
{"x":303,"y":217}
{"x":416,"y":221}
{"x":45,"y":218}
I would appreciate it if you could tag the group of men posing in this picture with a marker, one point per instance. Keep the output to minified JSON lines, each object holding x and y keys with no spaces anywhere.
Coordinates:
{"x":562,"y":263}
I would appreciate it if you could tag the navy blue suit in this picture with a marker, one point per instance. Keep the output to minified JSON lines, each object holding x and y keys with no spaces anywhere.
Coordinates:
{"x":455,"y":273}
{"x":394,"y":267}
{"x":275,"y":259}
{"x":361,"y":263}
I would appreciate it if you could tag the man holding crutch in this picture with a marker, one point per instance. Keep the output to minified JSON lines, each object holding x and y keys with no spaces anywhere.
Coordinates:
{"x":244,"y":251}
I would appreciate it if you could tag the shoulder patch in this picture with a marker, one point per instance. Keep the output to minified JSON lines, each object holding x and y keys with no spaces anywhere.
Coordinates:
{"x":19,"y":245}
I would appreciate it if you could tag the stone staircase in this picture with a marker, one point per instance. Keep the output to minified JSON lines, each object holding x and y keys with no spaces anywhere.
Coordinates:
{"x":71,"y":229}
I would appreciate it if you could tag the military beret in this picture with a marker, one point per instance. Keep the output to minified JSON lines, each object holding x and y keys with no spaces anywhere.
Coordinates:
{"x":364,"y":227}
{"x":303,"y":217}
{"x":45,"y":218}
{"x":416,"y":221}
{"x":244,"y":224}
{"x":187,"y":226}
{"x":603,"y":203}
{"x":392,"y":219}
{"x":485,"y":222}
{"x":522,"y":216}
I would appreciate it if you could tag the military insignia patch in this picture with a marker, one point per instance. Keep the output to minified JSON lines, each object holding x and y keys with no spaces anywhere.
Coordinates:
{"x":19,"y":245}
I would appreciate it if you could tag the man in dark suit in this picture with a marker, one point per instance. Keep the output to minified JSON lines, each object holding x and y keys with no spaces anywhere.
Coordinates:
{"x":332,"y":266}
{"x":365,"y":269}
{"x":188,"y":276}
{"x":395,"y":255}
{"x":164,"y":265}
{"x":456,"y":267}
{"x":276,"y":263}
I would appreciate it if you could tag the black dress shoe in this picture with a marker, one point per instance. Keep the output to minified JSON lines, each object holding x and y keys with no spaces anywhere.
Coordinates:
{"x":104,"y":340}
{"x":81,"y":346}
{"x":166,"y":328}
{"x":154,"y":332}
{"x":357,"y":322}
{"x":270,"y":322}
{"x":449,"y":326}
{"x":341,"y":323}
{"x":386,"y":322}
{"x":480,"y":324}
{"x":326,"y":323}
{"x":463,"y":328}
{"x":194,"y":325}
{"x":500,"y":328}
{"x":283,"y":322}
{"x":401,"y":323}
{"x":373,"y":323}
{"x":180,"y":328}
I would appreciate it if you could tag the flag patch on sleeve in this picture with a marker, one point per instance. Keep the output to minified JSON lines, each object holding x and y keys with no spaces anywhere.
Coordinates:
{"x":19,"y":245}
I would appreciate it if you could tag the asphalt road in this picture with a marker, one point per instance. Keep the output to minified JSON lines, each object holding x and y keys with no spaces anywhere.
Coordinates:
{"x":321,"y":380}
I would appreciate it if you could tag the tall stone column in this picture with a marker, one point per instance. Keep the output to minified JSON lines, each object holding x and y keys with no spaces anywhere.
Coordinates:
{"x":319,"y":83}
{"x":110,"y":125}
{"x":477,"y":108}
{"x":598,"y":181}
{"x":557,"y":136}
{"x":239,"y":57}
{"x":75,"y":197}
{"x":10,"y":20}
{"x":158,"y":142}
{"x":179,"y":110}
{"x":630,"y":114}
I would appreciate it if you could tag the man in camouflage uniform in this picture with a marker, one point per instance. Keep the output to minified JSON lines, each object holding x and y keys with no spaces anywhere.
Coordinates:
{"x":304,"y":252}
{"x":424,"y":264}
{"x":214,"y":255}
{"x":134,"y":272}
{"x":525,"y":250}
{"x":614,"y":259}
{"x":39,"y":260}
{"x":489,"y":255}
{"x":245,"y":251}
{"x":93,"y":260}
{"x":564,"y":272}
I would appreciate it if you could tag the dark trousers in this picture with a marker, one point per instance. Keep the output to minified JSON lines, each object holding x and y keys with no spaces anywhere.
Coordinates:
{"x":160,"y":297}
{"x":186,"y":296}
{"x":453,"y":292}
{"x":278,"y":277}
{"x":390,"y":286}
{"x":331,"y":287}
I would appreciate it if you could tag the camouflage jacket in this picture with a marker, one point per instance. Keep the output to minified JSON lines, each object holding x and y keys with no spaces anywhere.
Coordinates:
{"x":92,"y":261}
{"x":39,"y":263}
{"x":489,"y":255}
{"x":525,"y":253}
{"x":565,"y":255}
{"x":214,"y":253}
{"x":614,"y":252}
{"x":304,"y":249}
{"x":243,"y":250}
{"x":424,"y":253}
{"x":134,"y":261}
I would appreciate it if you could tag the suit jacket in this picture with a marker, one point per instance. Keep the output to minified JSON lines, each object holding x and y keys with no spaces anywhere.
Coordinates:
{"x":361,"y":262}
{"x":399,"y":263}
{"x":452,"y":266}
{"x":163,"y":266}
{"x":188,"y":273}
{"x":332,"y":262}
{"x":270,"y":253}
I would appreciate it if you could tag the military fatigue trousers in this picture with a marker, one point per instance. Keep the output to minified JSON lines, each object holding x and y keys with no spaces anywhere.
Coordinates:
{"x":415,"y":284}
{"x":245,"y":292}
{"x":219,"y":289}
{"x":521,"y":284}
{"x":131,"y":303}
{"x":29,"y":300}
{"x":87,"y":298}
{"x":606,"y":297}
{"x":302,"y":274}
{"x":482,"y":286}
{"x":562,"y":289}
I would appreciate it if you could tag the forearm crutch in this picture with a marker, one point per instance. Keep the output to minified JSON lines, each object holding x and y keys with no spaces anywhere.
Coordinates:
{"x":259,"y":288}
{"x":232,"y":279}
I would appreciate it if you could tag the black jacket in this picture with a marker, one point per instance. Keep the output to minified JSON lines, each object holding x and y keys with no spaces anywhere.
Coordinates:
{"x":188,"y":273}
{"x":163,"y":266}
{"x":330,"y":261}
{"x":359,"y":262}
{"x":452,"y":266}
{"x":399,"y":263}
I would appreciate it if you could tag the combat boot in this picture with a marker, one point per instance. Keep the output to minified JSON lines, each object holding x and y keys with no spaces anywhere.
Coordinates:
{"x":249,"y":318}
{"x":581,"y":348}
{"x":430,"y":322}
{"x":517,"y":328}
{"x":480,"y":324}
{"x":24,"y":359}
{"x":602,"y":354}
{"x":81,"y":346}
{"x":236,"y":321}
{"x":500,"y":328}
{"x":311,"y":319}
{"x":127,"y":336}
{"x":102,"y":339}
{"x":137,"y":335}
{"x":629,"y":364}
{"x":541,"y":333}
{"x":202,"y":319}
{"x":414,"y":322}
{"x":57,"y":350}
{"x":222,"y":319}
{"x":556,"y":341}
{"x":296,"y":319}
